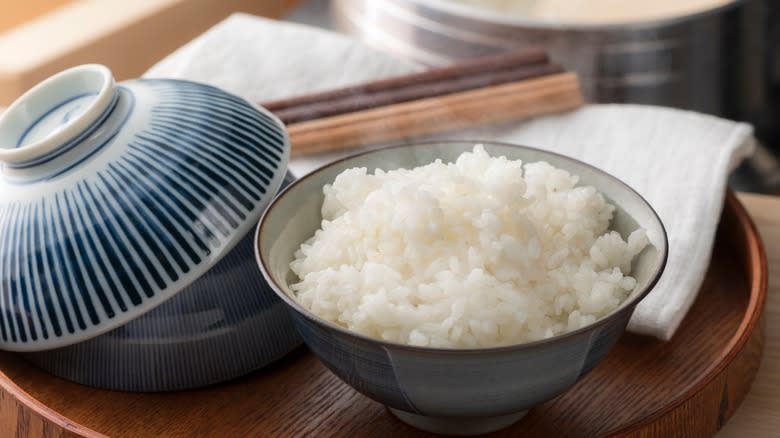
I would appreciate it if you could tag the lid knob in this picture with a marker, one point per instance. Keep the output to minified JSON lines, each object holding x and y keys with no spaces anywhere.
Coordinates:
{"x":55,"y":111}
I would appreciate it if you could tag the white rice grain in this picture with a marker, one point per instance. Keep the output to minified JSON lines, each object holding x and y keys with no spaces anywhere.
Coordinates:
{"x":478,"y":253}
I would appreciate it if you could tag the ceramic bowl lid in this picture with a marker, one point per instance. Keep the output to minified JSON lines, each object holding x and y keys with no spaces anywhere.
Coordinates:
{"x":113,"y":198}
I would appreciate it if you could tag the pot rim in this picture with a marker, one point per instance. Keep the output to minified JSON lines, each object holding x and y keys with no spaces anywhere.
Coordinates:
{"x":487,"y":17}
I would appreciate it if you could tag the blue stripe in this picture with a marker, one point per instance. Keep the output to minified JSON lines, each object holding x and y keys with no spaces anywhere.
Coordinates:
{"x":205,"y":123}
{"x":172,"y":206}
{"x":4,"y":222}
{"x":30,"y":309}
{"x":51,"y":268}
{"x":41,"y":271}
{"x":166,"y":218}
{"x":180,"y":181}
{"x":126,"y":255}
{"x":6,"y":277}
{"x":194,"y":156}
{"x":189,"y":170}
{"x":227,"y":163}
{"x":95,"y":259}
{"x":64,"y":262}
{"x":205,"y":97}
{"x":82,"y":258}
{"x":241,"y":112}
{"x":260,"y":162}
{"x":76,"y":141}
{"x":140,"y":220}
{"x":239,"y":159}
{"x":137,"y":223}
{"x":154,"y":223}
{"x":136,"y":253}
{"x":20,"y":305}
{"x":183,"y":193}
{"x":46,"y":114}
{"x":106,"y":140}
{"x":35,"y":262}
{"x":107,"y":243}
{"x":73,"y":247}
{"x":268,"y":126}
{"x":208,"y":178}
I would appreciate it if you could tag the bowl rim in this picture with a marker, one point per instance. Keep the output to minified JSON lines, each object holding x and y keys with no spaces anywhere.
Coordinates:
{"x":626,"y":306}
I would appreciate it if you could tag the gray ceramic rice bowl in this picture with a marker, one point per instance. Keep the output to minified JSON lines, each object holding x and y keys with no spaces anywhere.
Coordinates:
{"x":454,"y":391}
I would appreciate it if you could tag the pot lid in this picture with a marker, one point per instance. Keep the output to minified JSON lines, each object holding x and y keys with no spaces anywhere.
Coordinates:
{"x":115,"y":197}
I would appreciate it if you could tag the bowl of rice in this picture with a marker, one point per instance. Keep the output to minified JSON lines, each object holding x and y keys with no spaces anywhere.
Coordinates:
{"x":460,"y":283}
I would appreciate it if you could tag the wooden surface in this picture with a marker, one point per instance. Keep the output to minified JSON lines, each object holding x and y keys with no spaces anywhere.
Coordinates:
{"x":693,"y":383}
{"x":759,"y":415}
{"x":16,"y":12}
{"x":127,"y":36}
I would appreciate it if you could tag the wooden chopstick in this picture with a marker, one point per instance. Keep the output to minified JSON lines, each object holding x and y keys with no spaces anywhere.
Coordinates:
{"x":511,"y":101}
{"x":464,"y":69}
{"x":325,"y":107}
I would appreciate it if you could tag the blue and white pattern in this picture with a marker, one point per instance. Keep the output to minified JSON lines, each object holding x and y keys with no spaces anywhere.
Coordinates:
{"x":136,"y":209}
{"x":59,"y":115}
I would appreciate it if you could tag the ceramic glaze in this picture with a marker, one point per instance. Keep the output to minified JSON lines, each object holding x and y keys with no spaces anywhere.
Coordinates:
{"x":56,"y":118}
{"x":454,"y":391}
{"x":119,"y":197}
{"x":224,"y":325}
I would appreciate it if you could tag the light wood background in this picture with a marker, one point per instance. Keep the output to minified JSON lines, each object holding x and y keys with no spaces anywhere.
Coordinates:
{"x":126,"y":35}
{"x":15,"y":12}
{"x":759,"y":415}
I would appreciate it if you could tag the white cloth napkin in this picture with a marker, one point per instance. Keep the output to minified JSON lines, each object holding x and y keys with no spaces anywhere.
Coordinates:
{"x":678,"y":160}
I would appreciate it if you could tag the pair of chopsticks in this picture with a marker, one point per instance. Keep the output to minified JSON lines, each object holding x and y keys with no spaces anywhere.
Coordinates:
{"x":484,"y":91}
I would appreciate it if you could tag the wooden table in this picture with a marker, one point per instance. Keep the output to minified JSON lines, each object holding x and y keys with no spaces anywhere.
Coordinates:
{"x":759,"y":415}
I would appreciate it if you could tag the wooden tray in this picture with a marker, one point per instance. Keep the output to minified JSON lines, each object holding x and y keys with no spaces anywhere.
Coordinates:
{"x":687,"y":387}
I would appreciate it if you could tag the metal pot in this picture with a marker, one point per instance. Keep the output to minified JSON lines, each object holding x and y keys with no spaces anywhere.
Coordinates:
{"x":713,"y":61}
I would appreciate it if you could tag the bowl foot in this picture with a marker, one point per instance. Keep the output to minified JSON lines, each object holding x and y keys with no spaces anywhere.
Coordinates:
{"x":457,"y":426}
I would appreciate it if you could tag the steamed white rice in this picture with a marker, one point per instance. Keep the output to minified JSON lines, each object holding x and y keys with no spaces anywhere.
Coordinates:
{"x":478,"y":253}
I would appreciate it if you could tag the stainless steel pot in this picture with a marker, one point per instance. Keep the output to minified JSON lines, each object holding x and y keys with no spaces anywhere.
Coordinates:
{"x":712,"y":61}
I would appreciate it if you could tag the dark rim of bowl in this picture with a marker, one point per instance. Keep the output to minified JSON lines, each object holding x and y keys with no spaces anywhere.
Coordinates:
{"x":626,"y":306}
{"x":487,"y":16}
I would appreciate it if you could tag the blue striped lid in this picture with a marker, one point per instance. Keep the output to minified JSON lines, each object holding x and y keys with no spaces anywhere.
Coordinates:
{"x":113,"y":198}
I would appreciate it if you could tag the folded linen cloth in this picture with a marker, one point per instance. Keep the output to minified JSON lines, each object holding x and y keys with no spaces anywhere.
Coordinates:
{"x":678,"y":160}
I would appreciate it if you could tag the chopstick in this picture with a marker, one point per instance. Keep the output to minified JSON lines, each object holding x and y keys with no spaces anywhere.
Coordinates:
{"x":477,"y":92}
{"x":482,"y":106}
{"x":507,"y":62}
{"x":338,"y":106}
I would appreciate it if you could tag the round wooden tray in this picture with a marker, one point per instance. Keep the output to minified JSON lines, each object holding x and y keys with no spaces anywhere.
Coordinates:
{"x":689,"y":386}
